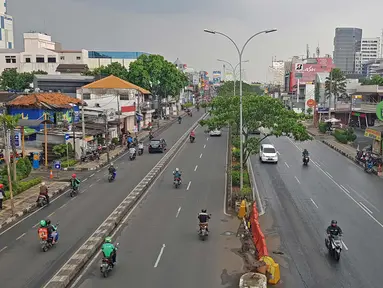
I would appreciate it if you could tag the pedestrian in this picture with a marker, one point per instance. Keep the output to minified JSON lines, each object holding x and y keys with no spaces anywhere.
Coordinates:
{"x":2,"y":195}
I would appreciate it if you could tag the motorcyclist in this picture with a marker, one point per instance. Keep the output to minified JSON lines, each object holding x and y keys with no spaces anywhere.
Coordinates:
{"x":109,"y":251}
{"x":333,"y":230}
{"x":52,"y":230}
{"x":141,"y":146}
{"x":44,"y":224}
{"x":305,"y":153}
{"x":74,"y":182}
{"x":132,"y":151}
{"x":192,"y":134}
{"x":43,"y":192}
{"x":177,"y":174}
{"x":204,"y":218}
{"x":179,"y":119}
{"x":112,"y":170}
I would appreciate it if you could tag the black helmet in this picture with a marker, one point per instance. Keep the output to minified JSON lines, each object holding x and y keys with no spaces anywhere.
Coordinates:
{"x":334,"y":222}
{"x":48,"y":222}
{"x":203,"y":210}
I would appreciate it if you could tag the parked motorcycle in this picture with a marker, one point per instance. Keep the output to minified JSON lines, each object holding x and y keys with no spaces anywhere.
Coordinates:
{"x":177,"y":182}
{"x":306,"y":160}
{"x":203,"y":231}
{"x":106,"y":265}
{"x":42,"y":201}
{"x":334,"y":245}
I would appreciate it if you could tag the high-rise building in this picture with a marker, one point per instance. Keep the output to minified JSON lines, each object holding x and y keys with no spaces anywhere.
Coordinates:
{"x":370,"y":50}
{"x":347,"y":42}
{"x":6,"y":27}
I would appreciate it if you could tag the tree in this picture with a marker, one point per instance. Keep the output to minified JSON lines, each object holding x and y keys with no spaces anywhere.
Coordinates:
{"x":10,"y":79}
{"x":115,"y":68}
{"x":228,"y":87}
{"x":338,"y":85}
{"x":317,"y":92}
{"x":375,"y":80}
{"x":309,"y":110}
{"x":258,"y":111}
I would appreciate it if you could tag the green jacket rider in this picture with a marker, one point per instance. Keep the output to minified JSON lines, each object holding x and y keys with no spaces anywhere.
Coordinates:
{"x":74,"y":182}
{"x":109,"y":250}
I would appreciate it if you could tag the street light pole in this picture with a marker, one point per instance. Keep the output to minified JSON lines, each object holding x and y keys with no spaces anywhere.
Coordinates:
{"x":233,"y":69}
{"x":240,"y":53}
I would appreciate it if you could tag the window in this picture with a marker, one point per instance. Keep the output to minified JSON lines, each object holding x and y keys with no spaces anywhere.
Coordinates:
{"x":10,"y":59}
{"x":62,"y":57}
{"x":124,"y":97}
{"x":40,"y":59}
{"x":268,"y":150}
{"x":51,"y":59}
{"x":86,"y":96}
{"x":78,"y":58}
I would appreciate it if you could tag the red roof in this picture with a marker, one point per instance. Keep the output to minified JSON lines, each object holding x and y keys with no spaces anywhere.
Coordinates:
{"x":58,"y":100}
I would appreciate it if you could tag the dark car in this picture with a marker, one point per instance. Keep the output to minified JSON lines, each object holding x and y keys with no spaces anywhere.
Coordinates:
{"x":157,"y":145}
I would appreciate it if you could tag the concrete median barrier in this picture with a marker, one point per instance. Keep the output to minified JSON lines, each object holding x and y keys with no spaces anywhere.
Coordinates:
{"x":74,"y":265}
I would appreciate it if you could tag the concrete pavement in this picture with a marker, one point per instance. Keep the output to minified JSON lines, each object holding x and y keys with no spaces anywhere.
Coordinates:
{"x":159,"y":245}
{"x":78,"y":218}
{"x":302,"y":201}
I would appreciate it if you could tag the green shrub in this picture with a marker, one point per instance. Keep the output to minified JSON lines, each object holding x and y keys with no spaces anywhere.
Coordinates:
{"x":23,"y":168}
{"x":188,"y":105}
{"x":341,"y":137}
{"x":235,"y":141}
{"x":344,"y":136}
{"x":115,"y":141}
{"x":236,"y":154}
{"x":322,"y":127}
{"x":68,"y":163}
{"x":203,"y":105}
{"x":246,"y":191}
{"x":236,"y":167}
{"x":22,"y":186}
{"x":235,"y":178}
{"x":246,"y":178}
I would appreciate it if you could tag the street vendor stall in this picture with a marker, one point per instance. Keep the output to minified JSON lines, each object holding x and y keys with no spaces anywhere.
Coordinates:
{"x":375,"y":133}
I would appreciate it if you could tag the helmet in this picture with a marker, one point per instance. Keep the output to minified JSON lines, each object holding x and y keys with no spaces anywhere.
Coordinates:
{"x":108,"y":239}
{"x":334,"y":222}
{"x":203,"y":210}
{"x":42,"y":183}
{"x":48,"y":222}
{"x":43,"y":223}
{"x":177,"y":169}
{"x":111,"y":164}
{"x":1,"y":186}
{"x":73,"y":175}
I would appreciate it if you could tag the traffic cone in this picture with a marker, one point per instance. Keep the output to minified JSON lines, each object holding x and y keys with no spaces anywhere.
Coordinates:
{"x":51,"y":174}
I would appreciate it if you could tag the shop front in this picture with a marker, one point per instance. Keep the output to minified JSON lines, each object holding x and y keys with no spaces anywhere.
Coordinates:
{"x":375,"y":133}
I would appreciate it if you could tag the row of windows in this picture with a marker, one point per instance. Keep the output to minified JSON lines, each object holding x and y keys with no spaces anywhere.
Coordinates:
{"x":39,"y":59}
{"x":122,"y":97}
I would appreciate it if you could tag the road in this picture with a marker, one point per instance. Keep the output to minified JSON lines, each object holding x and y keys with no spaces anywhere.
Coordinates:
{"x":361,"y":140}
{"x":159,"y":245}
{"x":303,"y":201}
{"x":21,"y":261}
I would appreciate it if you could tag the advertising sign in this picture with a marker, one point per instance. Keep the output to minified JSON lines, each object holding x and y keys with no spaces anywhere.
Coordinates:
{"x":195,"y":79}
{"x":216,"y":77}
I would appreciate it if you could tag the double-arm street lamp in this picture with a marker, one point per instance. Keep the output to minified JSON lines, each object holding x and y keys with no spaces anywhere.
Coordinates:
{"x":240,"y":53}
{"x":234,"y":69}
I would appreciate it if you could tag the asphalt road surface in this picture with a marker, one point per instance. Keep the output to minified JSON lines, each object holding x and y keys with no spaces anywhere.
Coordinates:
{"x":159,"y":245}
{"x":22,"y":262}
{"x":303,"y":201}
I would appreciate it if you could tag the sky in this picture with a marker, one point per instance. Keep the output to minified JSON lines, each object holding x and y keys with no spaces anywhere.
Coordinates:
{"x":174,"y":28}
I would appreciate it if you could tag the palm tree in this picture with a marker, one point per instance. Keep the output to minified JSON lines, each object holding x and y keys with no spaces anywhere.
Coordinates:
{"x":338,"y":85}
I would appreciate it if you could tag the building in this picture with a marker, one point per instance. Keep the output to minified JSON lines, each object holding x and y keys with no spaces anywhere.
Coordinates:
{"x":6,"y":27}
{"x":371,"y":67}
{"x":41,"y":53}
{"x":120,"y":97}
{"x":347,"y":42}
{"x":370,"y":50}
{"x":277,"y":71}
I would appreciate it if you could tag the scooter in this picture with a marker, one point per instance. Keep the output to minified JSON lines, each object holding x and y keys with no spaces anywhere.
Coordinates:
{"x":132,"y":156}
{"x":203,"y":233}
{"x":179,"y":120}
{"x":42,"y":201}
{"x":73,"y":192}
{"x":112,"y":176}
{"x":177,"y":182}
{"x":334,"y":246}
{"x":306,"y":160}
{"x":140,"y":151}
{"x":192,"y":139}
{"x":106,"y":265}
{"x":45,"y":241}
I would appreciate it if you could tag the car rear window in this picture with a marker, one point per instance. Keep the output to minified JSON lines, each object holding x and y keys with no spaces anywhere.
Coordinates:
{"x":155,"y":142}
{"x":268,"y":150}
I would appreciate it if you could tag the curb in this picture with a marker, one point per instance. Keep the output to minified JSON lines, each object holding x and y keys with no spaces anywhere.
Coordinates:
{"x":30,"y":208}
{"x":96,"y":167}
{"x":74,"y":265}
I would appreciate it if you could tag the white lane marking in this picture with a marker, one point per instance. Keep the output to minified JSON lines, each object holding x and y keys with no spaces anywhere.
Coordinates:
{"x":159,"y":256}
{"x":90,"y":186}
{"x":297,"y":179}
{"x":195,"y":169}
{"x":21,"y":236}
{"x":345,"y":191}
{"x":34,"y":226}
{"x":207,"y":139}
{"x":344,"y":245}
{"x":98,"y":180}
{"x":287,"y":165}
{"x":204,"y":146}
{"x":315,"y":204}
{"x":365,"y":208}
{"x":127,"y":216}
{"x":92,"y":175}
{"x":278,"y":153}
{"x":348,"y":192}
{"x":178,"y":212}
{"x":200,"y":156}
{"x":328,"y":174}
{"x":368,"y":202}
{"x":50,"y":215}
{"x":2,"y":249}
{"x":188,"y":185}
{"x":84,"y":179}
{"x":62,"y":206}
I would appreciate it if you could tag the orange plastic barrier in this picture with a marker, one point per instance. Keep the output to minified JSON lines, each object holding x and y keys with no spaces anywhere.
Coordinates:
{"x":258,"y":236}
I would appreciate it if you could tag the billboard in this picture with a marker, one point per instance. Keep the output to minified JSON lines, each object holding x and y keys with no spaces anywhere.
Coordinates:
{"x":216,"y":77}
{"x":306,"y":70}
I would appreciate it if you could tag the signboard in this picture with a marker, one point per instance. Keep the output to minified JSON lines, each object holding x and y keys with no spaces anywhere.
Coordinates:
{"x":379,"y":111}
{"x":16,"y":140}
{"x":66,"y":137}
{"x":58,"y":165}
{"x":195,"y":79}
{"x":370,"y":133}
{"x":310,"y":103}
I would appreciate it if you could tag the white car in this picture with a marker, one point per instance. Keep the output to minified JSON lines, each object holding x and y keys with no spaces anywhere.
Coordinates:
{"x":268,"y":153}
{"x":215,"y":132}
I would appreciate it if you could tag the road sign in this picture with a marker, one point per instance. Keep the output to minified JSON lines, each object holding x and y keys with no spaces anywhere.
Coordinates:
{"x":311,"y":103}
{"x":17,"y":140}
{"x":58,"y":165}
{"x":66,"y":137}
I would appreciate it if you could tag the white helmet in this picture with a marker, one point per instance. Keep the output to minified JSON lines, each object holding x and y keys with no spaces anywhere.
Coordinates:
{"x":42,"y":183}
{"x":111,"y":164}
{"x":177,"y":170}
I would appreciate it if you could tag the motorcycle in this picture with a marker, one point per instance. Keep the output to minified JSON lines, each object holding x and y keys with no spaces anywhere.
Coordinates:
{"x":106,"y":265}
{"x":369,"y":166}
{"x":132,"y":156}
{"x":177,"y":182}
{"x":140,"y":151}
{"x":306,"y":160}
{"x":73,"y":192}
{"x":45,"y":241}
{"x":334,"y":246}
{"x":203,"y":231}
{"x":192,"y":139}
{"x":179,"y":121}
{"x":112,"y":176}
{"x":42,"y":201}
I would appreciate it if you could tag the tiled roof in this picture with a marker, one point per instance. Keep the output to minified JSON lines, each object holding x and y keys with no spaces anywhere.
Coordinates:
{"x":113,"y":82}
{"x":53,"y":100}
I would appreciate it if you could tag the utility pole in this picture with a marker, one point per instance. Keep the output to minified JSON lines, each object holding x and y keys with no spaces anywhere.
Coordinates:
{"x":7,"y":160}
{"x":329,"y":99}
{"x":74,"y":134}
{"x":118,"y":115}
{"x":45,"y":140}
{"x":106,"y":136}
{"x":83,"y":117}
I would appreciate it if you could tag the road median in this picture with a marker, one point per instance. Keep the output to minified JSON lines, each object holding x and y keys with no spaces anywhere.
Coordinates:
{"x":75,"y":264}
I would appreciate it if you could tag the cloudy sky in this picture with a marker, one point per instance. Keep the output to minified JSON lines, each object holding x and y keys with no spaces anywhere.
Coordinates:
{"x":174,"y":28}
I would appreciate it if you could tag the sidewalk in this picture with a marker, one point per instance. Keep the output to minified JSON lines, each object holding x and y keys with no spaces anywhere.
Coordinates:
{"x":26,"y":202}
